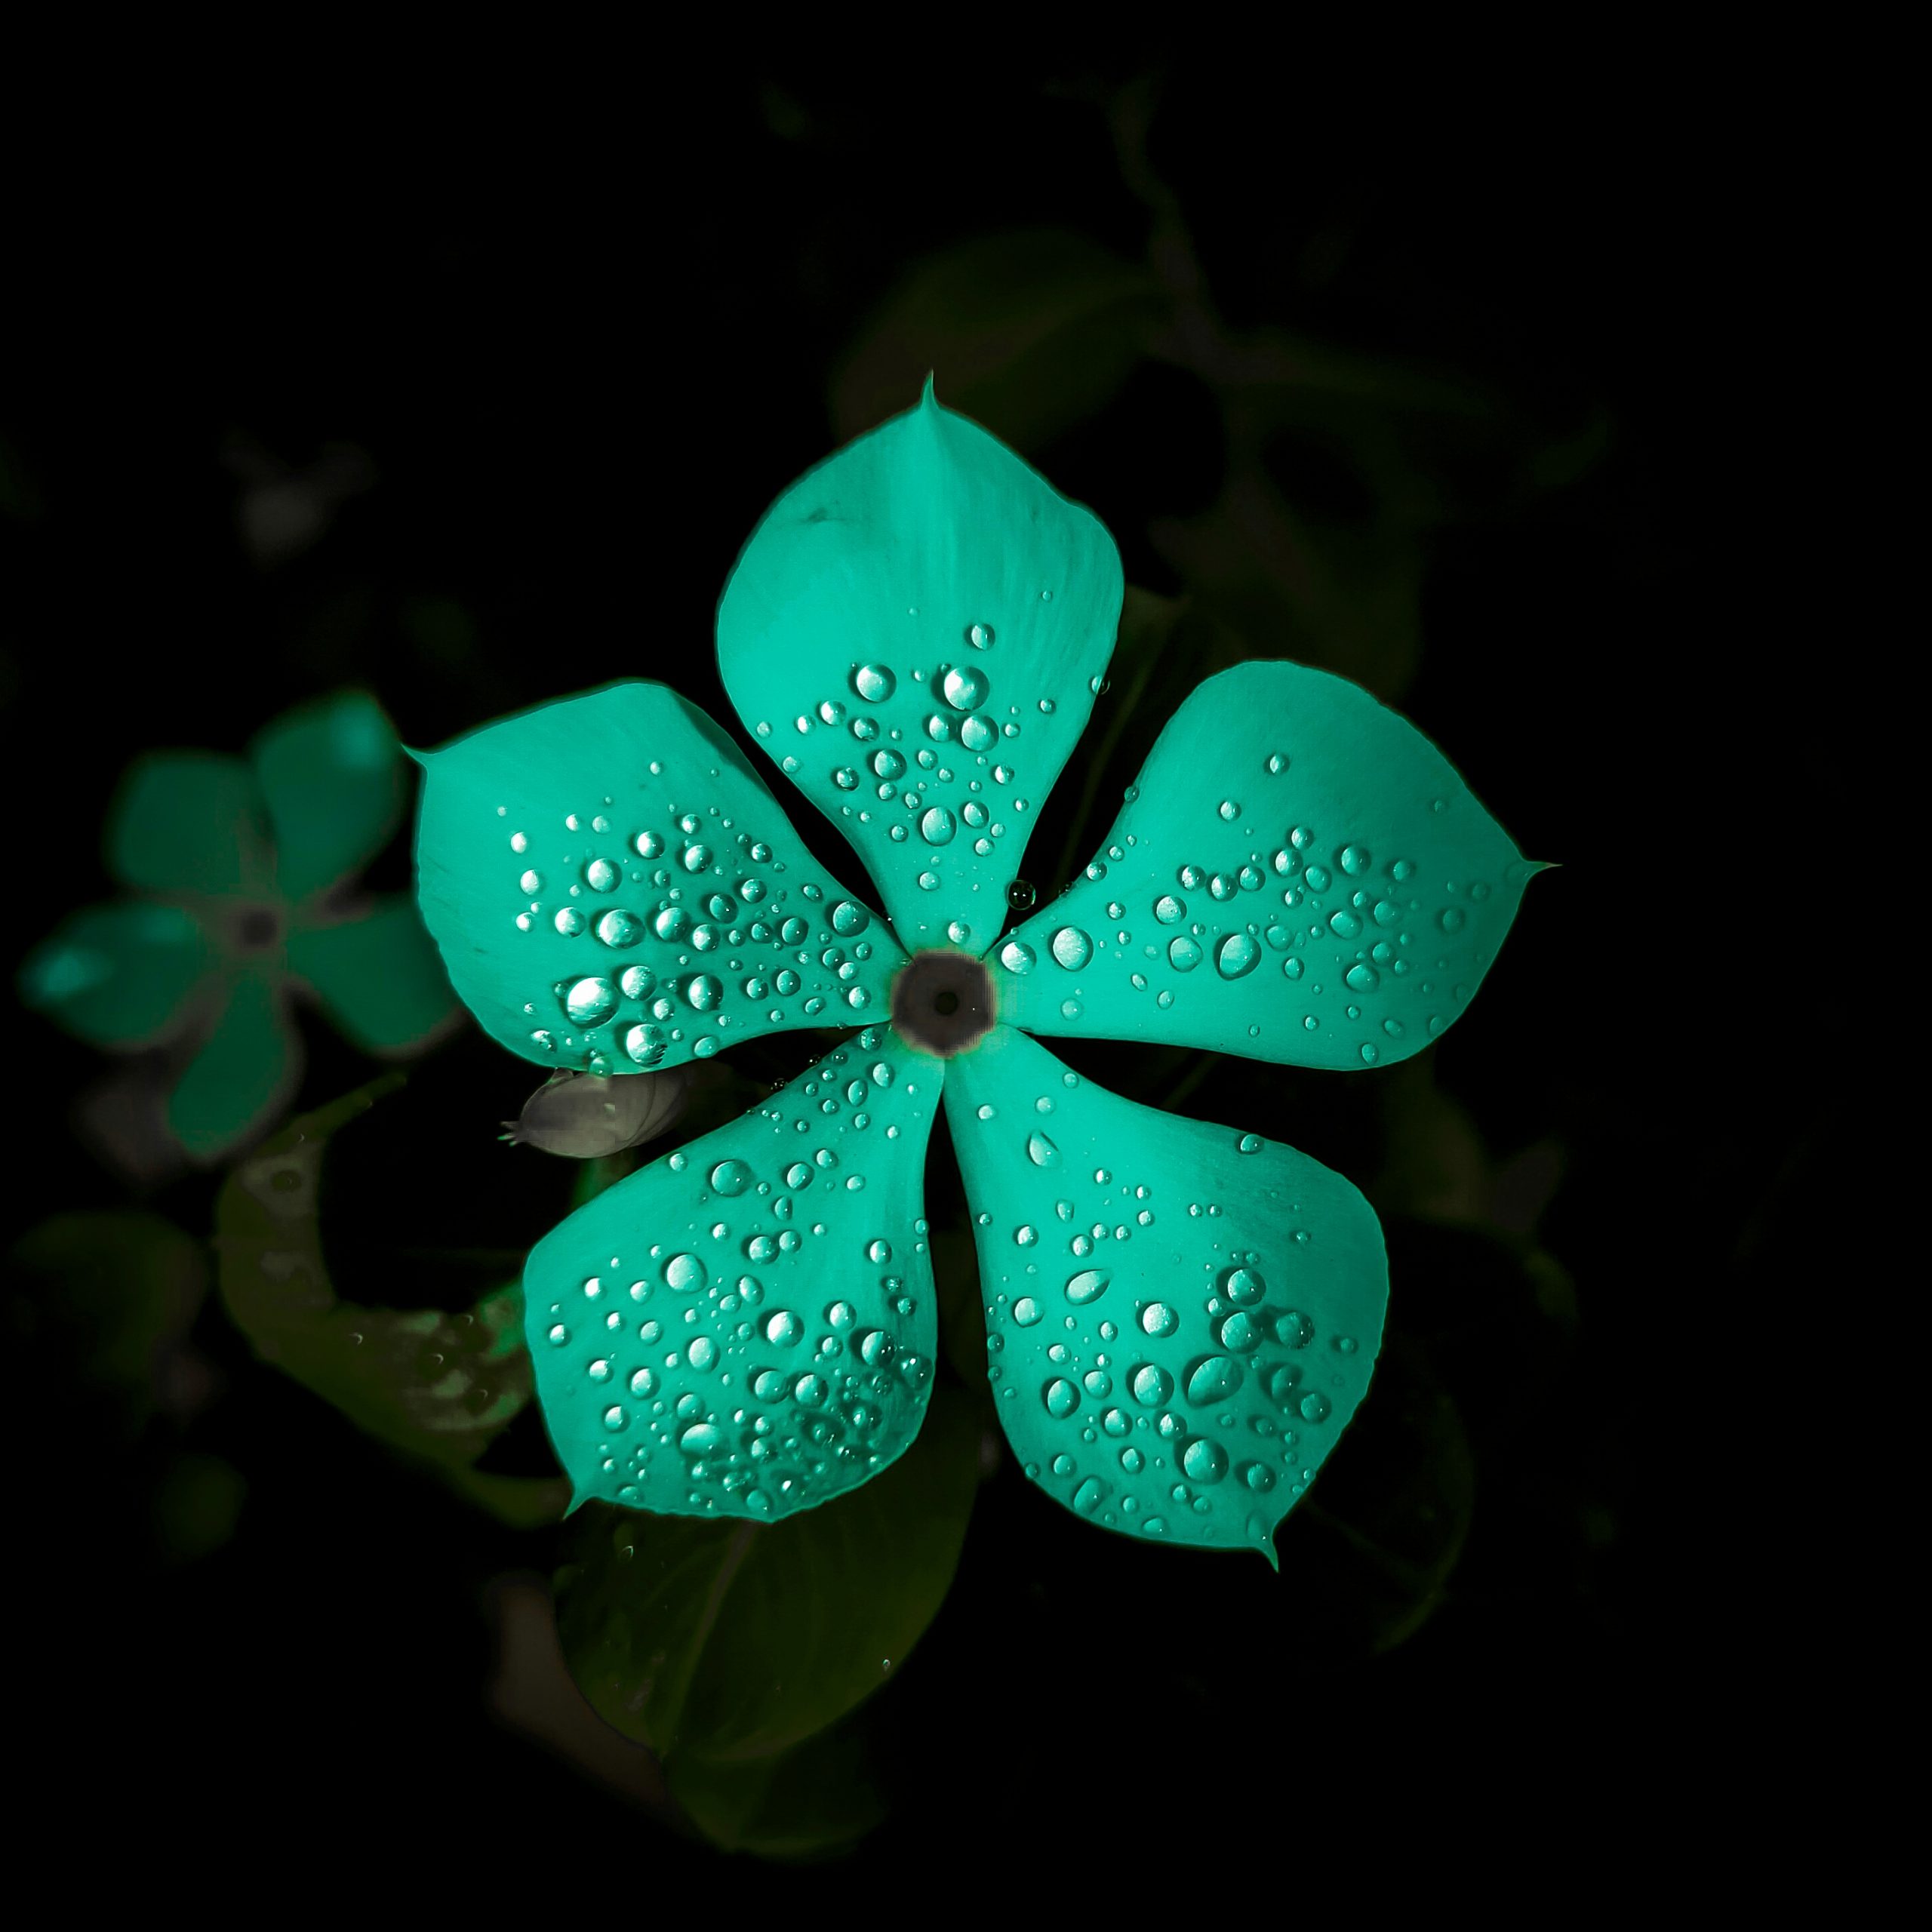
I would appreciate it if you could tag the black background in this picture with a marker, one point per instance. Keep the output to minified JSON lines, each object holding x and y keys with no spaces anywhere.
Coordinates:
{"x":584,"y":339}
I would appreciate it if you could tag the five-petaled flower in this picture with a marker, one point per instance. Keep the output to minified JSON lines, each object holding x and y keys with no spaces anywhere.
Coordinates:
{"x":1179,"y":1318}
{"x":245,"y":869}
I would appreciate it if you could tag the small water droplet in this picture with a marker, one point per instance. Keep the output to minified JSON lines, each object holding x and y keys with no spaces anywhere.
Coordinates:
{"x":731,"y":1178}
{"x":1088,"y":1285}
{"x":1229,"y":810}
{"x":1041,"y":1151}
{"x":874,"y":683}
{"x":1237,"y":955}
{"x":1072,"y":948}
{"x":1183,"y":953}
{"x":1020,"y":895}
{"x":1017,"y":957}
{"x":980,"y":636}
{"x":965,"y":688}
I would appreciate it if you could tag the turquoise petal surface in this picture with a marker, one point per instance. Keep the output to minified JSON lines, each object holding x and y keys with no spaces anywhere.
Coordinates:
{"x":1180,"y":1318}
{"x":117,"y":975}
{"x":245,"y":1073}
{"x":333,"y":776}
{"x":379,"y":976}
{"x":747,"y":1327}
{"x":914,"y":635}
{"x":190,"y":822}
{"x":1298,"y":874}
{"x":612,"y":889}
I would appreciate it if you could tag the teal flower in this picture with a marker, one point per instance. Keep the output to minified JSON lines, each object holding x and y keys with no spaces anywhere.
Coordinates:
{"x":1180,"y":1318}
{"x":245,"y":870}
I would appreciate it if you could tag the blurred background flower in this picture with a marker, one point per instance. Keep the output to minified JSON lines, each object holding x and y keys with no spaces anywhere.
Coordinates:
{"x":247,"y":871}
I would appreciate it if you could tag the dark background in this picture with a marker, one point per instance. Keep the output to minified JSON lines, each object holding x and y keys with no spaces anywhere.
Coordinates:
{"x":579,"y":345}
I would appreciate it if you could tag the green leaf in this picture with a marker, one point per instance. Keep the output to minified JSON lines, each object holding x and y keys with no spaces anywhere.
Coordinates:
{"x":816,"y":1798}
{"x":101,"y":1298}
{"x":436,"y":1386}
{"x":734,"y":1641}
{"x":1028,"y":332}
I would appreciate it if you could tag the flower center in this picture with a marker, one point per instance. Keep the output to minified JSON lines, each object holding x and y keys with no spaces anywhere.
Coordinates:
{"x":942,"y":1002}
{"x":256,"y":928}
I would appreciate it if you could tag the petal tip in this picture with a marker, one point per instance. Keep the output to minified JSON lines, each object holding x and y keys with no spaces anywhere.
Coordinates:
{"x":927,"y":398}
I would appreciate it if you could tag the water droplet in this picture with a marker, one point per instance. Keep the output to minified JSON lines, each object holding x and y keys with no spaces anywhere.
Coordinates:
{"x":602,"y":876}
{"x":1041,"y":1151}
{"x":1237,"y":955}
{"x":1152,"y":1386}
{"x":645,"y":1043}
{"x":1061,"y":1397}
{"x":570,"y":922}
{"x":1020,"y":895}
{"x":697,"y":858}
{"x":619,"y":928}
{"x":980,"y":636}
{"x":1363,"y":977}
{"x":1229,"y":810}
{"x":1214,"y":1379}
{"x":1169,"y":910}
{"x":937,"y":827}
{"x":1183,"y":954}
{"x":965,"y":688}
{"x":1451,"y":918}
{"x":1353,"y":860}
{"x":874,"y":683}
{"x":684,"y":1274}
{"x":1344,"y":924}
{"x":1239,"y":1332}
{"x":1278,"y":763}
{"x":1157,"y":1319}
{"x":643,"y":1383}
{"x":702,"y":1439}
{"x":1251,"y":1143}
{"x":811,"y":1392}
{"x":1026,"y":1312}
{"x":731,"y":1178}
{"x":1088,"y":1285}
{"x":1205,"y":1462}
{"x":1072,"y":947}
{"x":590,"y":1002}
{"x":1292,"y":1329}
{"x":1315,"y":1406}
{"x":703,"y":991}
{"x":848,"y":919}
{"x":976,"y":734}
{"x":783,"y":1329}
{"x":1017,"y":958}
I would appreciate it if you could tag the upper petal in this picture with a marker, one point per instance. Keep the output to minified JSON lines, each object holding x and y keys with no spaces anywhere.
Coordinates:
{"x":611,"y":888}
{"x":1298,"y":874}
{"x":746,"y":1328}
{"x":332,"y":774}
{"x":1180,"y":1318}
{"x":914,"y":632}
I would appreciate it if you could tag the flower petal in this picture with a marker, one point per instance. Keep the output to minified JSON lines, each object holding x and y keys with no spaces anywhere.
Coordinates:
{"x":119,"y":975}
{"x":611,"y":888}
{"x":379,"y":976}
{"x":746,"y":1328}
{"x":333,"y":776}
{"x":914,"y":632}
{"x":190,"y":822}
{"x":245,"y":1074}
{"x":1180,"y":1318}
{"x":1298,"y":874}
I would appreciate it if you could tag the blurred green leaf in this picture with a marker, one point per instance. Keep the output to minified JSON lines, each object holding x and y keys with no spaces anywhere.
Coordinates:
{"x":812,"y":1799}
{"x":436,"y":1386}
{"x":105,"y":1298}
{"x":197,"y":1505}
{"x":735,"y":1641}
{"x":1027,"y":332}
{"x":1377,"y":1541}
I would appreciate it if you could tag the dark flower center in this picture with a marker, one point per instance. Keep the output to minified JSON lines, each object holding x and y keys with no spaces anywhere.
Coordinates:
{"x":256,"y":928}
{"x":942,"y":1002}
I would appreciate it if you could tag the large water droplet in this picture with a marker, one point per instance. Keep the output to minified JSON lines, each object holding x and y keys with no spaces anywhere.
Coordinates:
{"x":645,"y":1043}
{"x":1016,"y":957}
{"x":620,"y":928}
{"x":731,"y":1178}
{"x":874,"y":683}
{"x":1183,"y":953}
{"x":590,"y":1002}
{"x":965,"y":688}
{"x":1214,"y":1379}
{"x":1157,"y":1319}
{"x":1152,"y":1385}
{"x":848,"y":919}
{"x":1061,"y":1397}
{"x":685,"y":1273}
{"x":703,"y":991}
{"x":602,"y":876}
{"x":1072,"y":947}
{"x":1169,"y":910}
{"x":1205,"y":1461}
{"x":1451,"y":918}
{"x":1088,"y":1285}
{"x":1041,"y":1151}
{"x":1026,"y":1312}
{"x":937,"y":827}
{"x":1236,"y":954}
{"x":702,"y":1439}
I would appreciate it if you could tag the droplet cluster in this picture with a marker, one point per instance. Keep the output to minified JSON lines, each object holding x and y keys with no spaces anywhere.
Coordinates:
{"x":714,"y":1379}
{"x":683,"y":928}
{"x":1172,"y":1348}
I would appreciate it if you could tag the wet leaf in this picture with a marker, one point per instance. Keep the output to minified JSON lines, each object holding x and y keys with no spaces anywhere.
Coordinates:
{"x":1026,"y":333}
{"x":735,"y":1640}
{"x":814,"y":1799}
{"x":435,"y":1385}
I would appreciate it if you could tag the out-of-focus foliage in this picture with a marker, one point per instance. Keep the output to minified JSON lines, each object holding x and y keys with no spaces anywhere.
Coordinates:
{"x":436,"y":1386}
